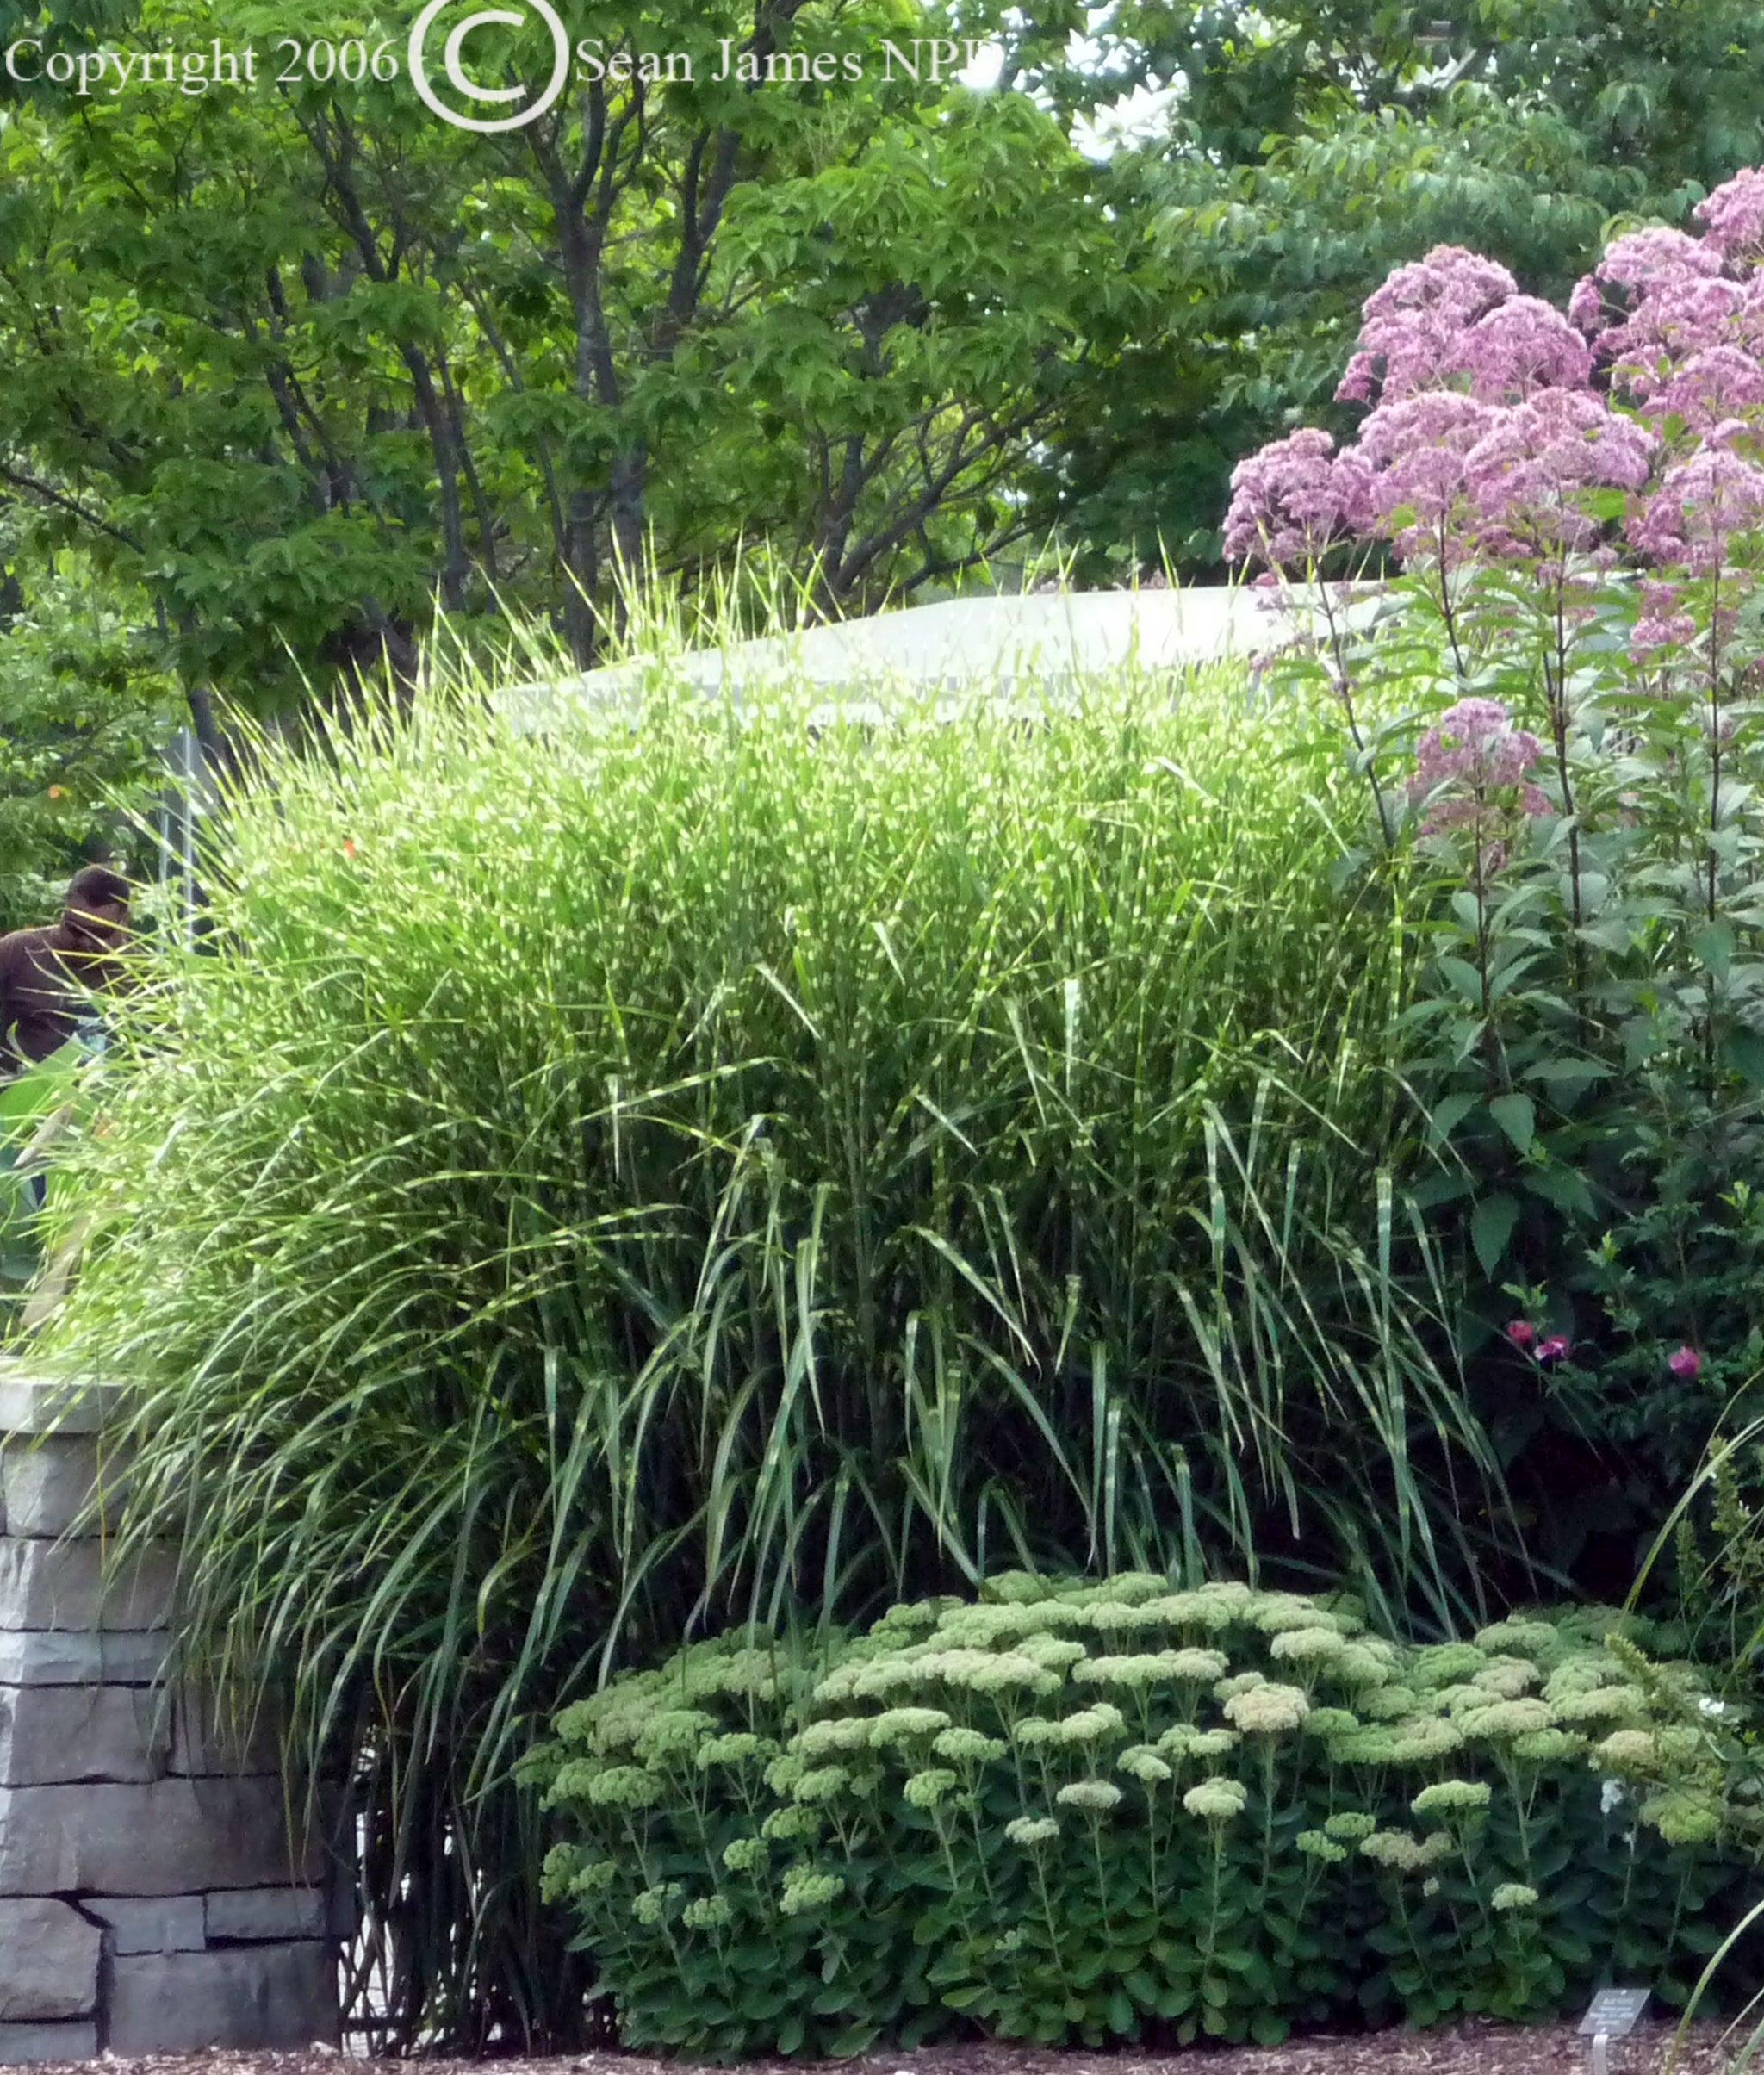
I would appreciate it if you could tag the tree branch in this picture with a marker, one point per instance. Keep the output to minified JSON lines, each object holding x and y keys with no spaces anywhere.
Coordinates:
{"x":51,"y":496}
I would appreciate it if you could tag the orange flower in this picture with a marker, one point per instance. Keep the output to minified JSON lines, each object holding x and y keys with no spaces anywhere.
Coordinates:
{"x":348,"y":847}
{"x":57,"y":792}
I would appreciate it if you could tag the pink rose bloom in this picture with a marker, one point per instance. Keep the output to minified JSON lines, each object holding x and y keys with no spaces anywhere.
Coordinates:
{"x":1554,"y":1348}
{"x":1521,"y":1333}
{"x":1684,"y":1361}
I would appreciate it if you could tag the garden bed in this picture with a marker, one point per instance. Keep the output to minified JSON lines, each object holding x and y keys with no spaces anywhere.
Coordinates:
{"x":1466,"y":2049}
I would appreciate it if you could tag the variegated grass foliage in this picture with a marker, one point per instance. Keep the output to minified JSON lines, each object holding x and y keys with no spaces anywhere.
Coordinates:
{"x":715,"y":1158}
{"x":1122,"y":1810}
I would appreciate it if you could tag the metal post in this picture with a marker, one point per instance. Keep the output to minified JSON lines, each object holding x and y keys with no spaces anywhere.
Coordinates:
{"x":1601,"y":2053}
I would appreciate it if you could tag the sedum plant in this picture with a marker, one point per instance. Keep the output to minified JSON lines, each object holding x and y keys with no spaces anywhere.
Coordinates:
{"x":1115,"y":1810}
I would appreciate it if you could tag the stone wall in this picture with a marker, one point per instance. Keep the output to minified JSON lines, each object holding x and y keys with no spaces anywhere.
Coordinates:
{"x":150,"y":1898}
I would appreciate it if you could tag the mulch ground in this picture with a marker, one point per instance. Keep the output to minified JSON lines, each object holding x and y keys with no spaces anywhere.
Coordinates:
{"x":1468,"y":2049}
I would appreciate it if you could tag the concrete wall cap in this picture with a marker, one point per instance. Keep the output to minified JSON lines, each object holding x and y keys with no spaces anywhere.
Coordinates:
{"x":41,"y":1402}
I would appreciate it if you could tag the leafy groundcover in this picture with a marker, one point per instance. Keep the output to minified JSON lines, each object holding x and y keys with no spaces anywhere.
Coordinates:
{"x":1119,"y":1809}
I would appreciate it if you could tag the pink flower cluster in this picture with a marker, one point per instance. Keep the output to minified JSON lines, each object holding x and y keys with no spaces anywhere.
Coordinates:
{"x":1661,"y":626}
{"x":1733,"y":216}
{"x":1454,"y":320}
{"x":1711,"y":389}
{"x":1672,"y":323}
{"x":1416,"y":446}
{"x":1498,"y":425}
{"x":1526,"y":476}
{"x":1631,"y":264}
{"x":1701,"y":504}
{"x":1476,"y":747}
{"x":1414,"y":324}
{"x":1685,"y":1362}
{"x":1473,"y":767}
{"x":1295,"y":500}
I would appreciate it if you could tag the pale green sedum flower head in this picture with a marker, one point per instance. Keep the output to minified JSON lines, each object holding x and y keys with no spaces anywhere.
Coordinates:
{"x":1268,"y":1710}
{"x":1216,"y":1800}
{"x":1449,"y":1798}
{"x":1095,"y":1796}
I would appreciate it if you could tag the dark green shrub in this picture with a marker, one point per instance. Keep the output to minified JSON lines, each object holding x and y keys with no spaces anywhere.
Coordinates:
{"x":89,"y":711}
{"x":1113,"y":1811}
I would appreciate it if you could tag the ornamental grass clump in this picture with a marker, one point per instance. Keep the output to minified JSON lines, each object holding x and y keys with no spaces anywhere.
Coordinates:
{"x":709,"y":1159}
{"x":1226,"y":1848}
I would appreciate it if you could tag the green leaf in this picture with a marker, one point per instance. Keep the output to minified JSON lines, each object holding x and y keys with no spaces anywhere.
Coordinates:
{"x":1464,"y":979}
{"x":1564,"y":1187}
{"x":1491,"y":1227}
{"x":1447,"y":1113}
{"x":1516,"y":1116}
{"x":1578,"y":1072}
{"x":1742,"y":1051}
{"x":1713,"y":946}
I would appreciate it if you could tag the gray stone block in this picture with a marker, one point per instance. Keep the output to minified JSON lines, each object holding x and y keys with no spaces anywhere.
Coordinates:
{"x":46,"y":1481}
{"x":342,"y":1910}
{"x":167,"y":1837}
{"x":53,"y":1734}
{"x":262,"y":1914}
{"x":203,"y":1741}
{"x":77,"y":1657}
{"x":21,"y":2044}
{"x":79,"y":1584}
{"x":177,"y":1924}
{"x":33,"y":1401}
{"x":48,"y":1961}
{"x":253,"y":1996}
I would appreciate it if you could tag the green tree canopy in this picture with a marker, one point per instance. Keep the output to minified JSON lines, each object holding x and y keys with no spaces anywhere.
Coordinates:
{"x":1297,"y":151}
{"x":305,"y":360}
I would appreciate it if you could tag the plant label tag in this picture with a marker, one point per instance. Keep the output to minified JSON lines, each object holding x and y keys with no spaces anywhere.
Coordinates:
{"x":1614,"y":2012}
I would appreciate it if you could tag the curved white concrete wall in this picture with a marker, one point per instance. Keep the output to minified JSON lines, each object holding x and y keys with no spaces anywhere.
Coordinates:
{"x":1033,"y":639}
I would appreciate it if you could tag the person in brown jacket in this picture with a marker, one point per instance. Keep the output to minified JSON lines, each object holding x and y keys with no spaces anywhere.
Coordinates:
{"x":47,"y":974}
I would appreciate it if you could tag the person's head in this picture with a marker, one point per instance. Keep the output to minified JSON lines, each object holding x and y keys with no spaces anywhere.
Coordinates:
{"x":95,"y":911}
